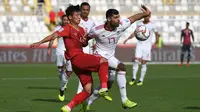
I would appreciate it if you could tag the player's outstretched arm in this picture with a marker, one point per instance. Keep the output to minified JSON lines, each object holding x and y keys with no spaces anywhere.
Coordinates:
{"x":130,"y":37}
{"x":139,"y":16}
{"x":46,"y":39}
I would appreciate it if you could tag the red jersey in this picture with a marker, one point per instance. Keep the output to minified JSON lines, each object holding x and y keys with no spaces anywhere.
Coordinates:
{"x":72,"y":40}
{"x":52,"y":16}
{"x":186,"y":34}
{"x":60,"y":14}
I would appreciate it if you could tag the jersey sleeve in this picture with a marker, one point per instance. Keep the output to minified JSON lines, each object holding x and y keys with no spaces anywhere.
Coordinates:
{"x":56,"y":28}
{"x":63,"y":31}
{"x":92,"y":34}
{"x":125,"y":23}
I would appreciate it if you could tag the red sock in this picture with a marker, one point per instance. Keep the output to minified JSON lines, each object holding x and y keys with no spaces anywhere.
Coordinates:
{"x":103,"y":74}
{"x":79,"y":98}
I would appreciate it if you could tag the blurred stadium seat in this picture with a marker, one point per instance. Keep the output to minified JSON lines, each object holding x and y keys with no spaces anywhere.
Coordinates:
{"x":20,"y":25}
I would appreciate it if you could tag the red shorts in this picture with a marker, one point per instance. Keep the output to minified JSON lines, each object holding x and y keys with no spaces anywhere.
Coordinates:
{"x":83,"y":65}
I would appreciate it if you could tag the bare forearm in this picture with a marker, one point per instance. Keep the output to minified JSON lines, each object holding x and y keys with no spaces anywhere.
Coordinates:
{"x":157,"y":37}
{"x":137,"y":17}
{"x":49,"y":38}
{"x":50,"y":44}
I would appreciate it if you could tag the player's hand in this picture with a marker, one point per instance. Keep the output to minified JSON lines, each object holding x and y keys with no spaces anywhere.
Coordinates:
{"x":49,"y":52}
{"x":34,"y":45}
{"x":125,"y":41}
{"x":155,"y":46}
{"x":145,"y":10}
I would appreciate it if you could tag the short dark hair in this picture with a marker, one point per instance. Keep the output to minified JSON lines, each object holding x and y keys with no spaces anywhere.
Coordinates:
{"x":110,"y":12}
{"x":187,"y":23}
{"x":85,"y":3}
{"x":71,"y":9}
{"x":63,"y":16}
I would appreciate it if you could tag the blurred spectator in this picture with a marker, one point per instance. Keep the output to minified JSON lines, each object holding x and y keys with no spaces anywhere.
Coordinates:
{"x":39,"y":10}
{"x":170,"y":2}
{"x":60,"y":14}
{"x":52,"y":17}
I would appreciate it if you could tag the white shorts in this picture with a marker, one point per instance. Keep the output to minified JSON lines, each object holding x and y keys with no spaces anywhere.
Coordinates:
{"x":60,"y":61}
{"x":143,"y":53}
{"x":113,"y":62}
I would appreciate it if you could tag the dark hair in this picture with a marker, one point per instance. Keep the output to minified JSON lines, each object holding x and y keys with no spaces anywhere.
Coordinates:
{"x":63,"y":16}
{"x":187,"y":23}
{"x":85,"y":3}
{"x":71,"y":9}
{"x":110,"y":12}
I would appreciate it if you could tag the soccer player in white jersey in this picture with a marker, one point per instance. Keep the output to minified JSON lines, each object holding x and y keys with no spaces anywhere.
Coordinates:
{"x":87,"y":23}
{"x":61,"y":62}
{"x":143,"y":50}
{"x":107,"y":36}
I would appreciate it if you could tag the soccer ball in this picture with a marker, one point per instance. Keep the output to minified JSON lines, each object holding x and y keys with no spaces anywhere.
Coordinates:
{"x":142,"y":33}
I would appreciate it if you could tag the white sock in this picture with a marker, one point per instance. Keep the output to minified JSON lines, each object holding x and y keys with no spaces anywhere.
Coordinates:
{"x":121,"y":81}
{"x":135,"y":69}
{"x":80,"y":87}
{"x":63,"y":78}
{"x":68,"y":108}
{"x":143,"y":72}
{"x":94,"y":96}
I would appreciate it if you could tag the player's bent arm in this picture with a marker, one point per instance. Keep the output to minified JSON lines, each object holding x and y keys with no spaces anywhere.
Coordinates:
{"x":192,"y":36}
{"x":157,"y":37}
{"x":130,"y":37}
{"x":181,"y":36}
{"x":139,"y":16}
{"x":49,"y":47}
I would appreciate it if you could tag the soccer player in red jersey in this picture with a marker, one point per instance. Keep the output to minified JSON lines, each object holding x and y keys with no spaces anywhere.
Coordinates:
{"x":82,"y":64}
{"x":186,"y":35}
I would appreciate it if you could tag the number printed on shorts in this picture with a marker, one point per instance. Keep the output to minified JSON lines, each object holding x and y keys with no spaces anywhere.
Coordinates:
{"x":111,"y":40}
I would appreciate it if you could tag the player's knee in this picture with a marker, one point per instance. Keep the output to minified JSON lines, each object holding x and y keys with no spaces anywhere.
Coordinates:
{"x":88,"y":88}
{"x":121,"y":67}
{"x":110,"y":84}
{"x":103,"y":60}
{"x":144,"y":62}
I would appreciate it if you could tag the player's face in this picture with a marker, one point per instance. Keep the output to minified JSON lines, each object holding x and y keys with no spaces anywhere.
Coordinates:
{"x":65,"y":20}
{"x":85,"y":10}
{"x":147,"y":19}
{"x":115,"y":20}
{"x":75,"y":18}
{"x":187,"y":25}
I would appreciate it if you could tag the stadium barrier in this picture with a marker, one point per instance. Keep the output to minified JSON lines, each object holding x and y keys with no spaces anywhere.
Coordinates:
{"x":21,"y":54}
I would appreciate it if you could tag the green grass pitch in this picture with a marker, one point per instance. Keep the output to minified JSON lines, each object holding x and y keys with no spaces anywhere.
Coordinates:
{"x":34,"y":88}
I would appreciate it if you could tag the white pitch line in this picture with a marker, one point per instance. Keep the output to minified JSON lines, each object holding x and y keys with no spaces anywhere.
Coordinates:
{"x":75,"y":78}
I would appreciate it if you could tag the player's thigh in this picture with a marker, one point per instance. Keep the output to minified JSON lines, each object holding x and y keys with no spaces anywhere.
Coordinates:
{"x":84,"y":77}
{"x":138,"y":52}
{"x":86,"y":62}
{"x":146,"y":55}
{"x":60,"y":59}
{"x":184,"y":48}
{"x":68,"y":65}
{"x":188,"y":48}
{"x":113,"y":62}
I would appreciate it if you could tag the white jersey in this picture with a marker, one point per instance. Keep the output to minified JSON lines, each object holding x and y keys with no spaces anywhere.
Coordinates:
{"x":87,"y":25}
{"x":152,"y":28}
{"x":60,"y":44}
{"x":106,"y":41}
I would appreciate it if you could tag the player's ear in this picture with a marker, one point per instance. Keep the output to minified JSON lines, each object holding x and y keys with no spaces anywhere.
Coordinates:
{"x":70,"y":17}
{"x":109,"y":19}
